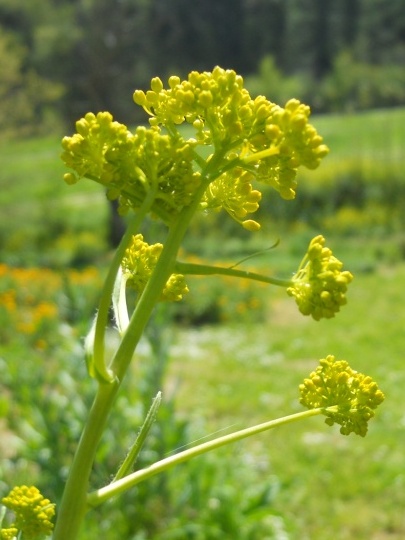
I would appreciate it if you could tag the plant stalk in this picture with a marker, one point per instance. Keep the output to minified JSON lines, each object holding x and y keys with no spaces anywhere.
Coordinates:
{"x":73,"y":505}
{"x":116,"y":488}
{"x":206,"y":270}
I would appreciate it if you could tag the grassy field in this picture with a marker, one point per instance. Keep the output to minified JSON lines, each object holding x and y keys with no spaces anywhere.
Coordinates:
{"x":331,"y":486}
{"x":244,"y":372}
{"x":42,"y":221}
{"x":371,"y":141}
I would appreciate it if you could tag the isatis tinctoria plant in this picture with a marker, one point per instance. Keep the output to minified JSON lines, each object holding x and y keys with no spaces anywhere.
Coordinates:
{"x":157,"y":172}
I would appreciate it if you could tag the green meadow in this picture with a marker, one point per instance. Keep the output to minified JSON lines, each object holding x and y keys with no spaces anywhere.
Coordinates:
{"x":233,"y":361}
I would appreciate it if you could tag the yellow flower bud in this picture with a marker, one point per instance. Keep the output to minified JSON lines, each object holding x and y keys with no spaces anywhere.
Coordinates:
{"x":156,"y":85}
{"x":251,"y":225}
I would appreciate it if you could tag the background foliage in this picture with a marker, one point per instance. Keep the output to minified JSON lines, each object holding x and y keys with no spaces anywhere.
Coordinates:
{"x":60,"y":59}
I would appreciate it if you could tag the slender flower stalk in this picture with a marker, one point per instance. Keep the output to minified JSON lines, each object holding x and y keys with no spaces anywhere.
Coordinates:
{"x":193,"y":269}
{"x":116,"y":488}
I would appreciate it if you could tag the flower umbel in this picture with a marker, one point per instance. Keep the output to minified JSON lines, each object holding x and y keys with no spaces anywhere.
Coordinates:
{"x":138,"y":264}
{"x":320,"y":286}
{"x":130,"y":165}
{"x":250,"y":139}
{"x":269,"y":141}
{"x":347,"y":397}
{"x":33,"y":513}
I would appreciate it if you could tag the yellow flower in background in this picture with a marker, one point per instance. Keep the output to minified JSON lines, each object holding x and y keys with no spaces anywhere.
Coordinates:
{"x":33,"y":513}
{"x":319,"y":286}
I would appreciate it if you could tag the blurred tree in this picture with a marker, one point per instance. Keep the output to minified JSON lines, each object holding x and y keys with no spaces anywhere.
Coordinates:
{"x":381,"y":33}
{"x":197,"y":35}
{"x":99,"y":51}
{"x":107,"y":57}
{"x":265,"y":31}
{"x":27,"y":100}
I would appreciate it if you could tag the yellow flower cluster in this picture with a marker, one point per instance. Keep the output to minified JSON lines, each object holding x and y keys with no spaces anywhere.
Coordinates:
{"x":10,"y":533}
{"x":251,"y":139}
{"x":269,"y":141}
{"x":33,"y":513}
{"x":138,"y":264}
{"x":350,"y":396}
{"x":131,"y":166}
{"x":208,"y":100}
{"x":320,"y":285}
{"x":234,"y":194}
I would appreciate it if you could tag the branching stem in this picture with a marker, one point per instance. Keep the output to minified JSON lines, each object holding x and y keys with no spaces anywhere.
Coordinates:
{"x":116,"y":488}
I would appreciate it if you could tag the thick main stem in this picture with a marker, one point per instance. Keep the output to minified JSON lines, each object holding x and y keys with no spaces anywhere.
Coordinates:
{"x":73,"y":505}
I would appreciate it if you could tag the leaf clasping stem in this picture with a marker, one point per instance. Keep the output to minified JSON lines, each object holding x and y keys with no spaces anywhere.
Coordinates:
{"x":100,"y":368}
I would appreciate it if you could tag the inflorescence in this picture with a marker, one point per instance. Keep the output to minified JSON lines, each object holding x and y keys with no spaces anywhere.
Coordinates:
{"x":33,"y":514}
{"x":348,"y":398}
{"x":250,"y":139}
{"x":320,"y":285}
{"x":138,"y":264}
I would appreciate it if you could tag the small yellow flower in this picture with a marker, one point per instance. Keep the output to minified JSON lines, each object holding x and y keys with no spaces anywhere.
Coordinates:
{"x":348,"y":397}
{"x":33,"y":513}
{"x":233,"y":193}
{"x":320,"y":285}
{"x":131,"y":165}
{"x":138,"y":264}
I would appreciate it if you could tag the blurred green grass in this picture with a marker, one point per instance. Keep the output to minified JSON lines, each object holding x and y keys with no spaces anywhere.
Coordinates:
{"x":42,"y":221}
{"x":238,"y":375}
{"x":372,"y":141}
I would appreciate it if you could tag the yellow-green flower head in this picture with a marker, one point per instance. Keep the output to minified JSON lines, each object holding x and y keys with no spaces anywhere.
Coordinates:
{"x":250,"y":140}
{"x":33,"y":513}
{"x":138,"y":264}
{"x":131,"y":165}
{"x":8,"y":534}
{"x":348,"y":397}
{"x":320,"y":285}
{"x":233,"y":192}
{"x":206,"y":100}
{"x":271,"y":141}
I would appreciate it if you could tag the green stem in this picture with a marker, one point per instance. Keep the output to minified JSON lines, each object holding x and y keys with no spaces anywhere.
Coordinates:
{"x":150,"y":296}
{"x":206,"y":270}
{"x":73,"y":506}
{"x":256,"y":156}
{"x":116,"y":488}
